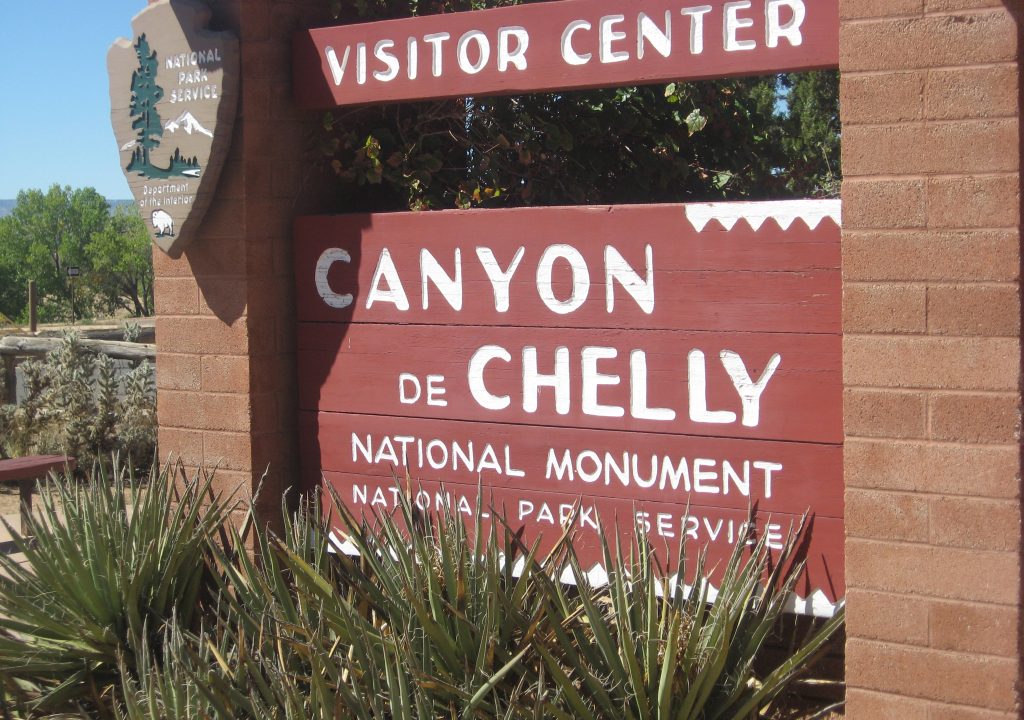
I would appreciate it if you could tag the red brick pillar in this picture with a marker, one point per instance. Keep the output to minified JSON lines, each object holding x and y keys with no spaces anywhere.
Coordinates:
{"x":225,"y":317}
{"x":931,"y":259}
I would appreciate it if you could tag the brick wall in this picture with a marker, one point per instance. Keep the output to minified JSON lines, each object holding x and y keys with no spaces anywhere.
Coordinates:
{"x":931,"y":254}
{"x":931,"y":259}
{"x":225,"y":370}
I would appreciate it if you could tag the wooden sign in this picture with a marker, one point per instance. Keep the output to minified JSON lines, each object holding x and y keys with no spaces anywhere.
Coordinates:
{"x":665,"y":366}
{"x":173,"y":93}
{"x":572,"y":44}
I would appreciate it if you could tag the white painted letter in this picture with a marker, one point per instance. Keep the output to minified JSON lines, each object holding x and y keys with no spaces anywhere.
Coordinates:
{"x":507,"y":56}
{"x":607,"y":36}
{"x":499,"y":278}
{"x":361,"y":63}
{"x":323,"y":268}
{"x":476,"y":377}
{"x":412,"y":58}
{"x":451,"y":288}
{"x":380,"y":51}
{"x":463,"y":52}
{"x":395,"y":293}
{"x":337,"y":69}
{"x":435,"y":40}
{"x":533,"y":380}
{"x":616,"y":268}
{"x":733,"y":23}
{"x":568,"y":54}
{"x":660,"y":40}
{"x":580,"y":279}
{"x":790,"y":30}
{"x":638,"y":391}
{"x":696,"y":15}
{"x":749,"y":392}
{"x":408,"y":380}
{"x":698,"y":379}
{"x":592,"y":379}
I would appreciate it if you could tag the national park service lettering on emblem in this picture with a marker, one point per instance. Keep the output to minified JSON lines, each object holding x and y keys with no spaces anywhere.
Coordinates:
{"x":173,"y":94}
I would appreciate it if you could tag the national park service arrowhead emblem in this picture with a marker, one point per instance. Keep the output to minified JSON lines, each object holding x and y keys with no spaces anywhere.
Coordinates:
{"x":173,"y":94}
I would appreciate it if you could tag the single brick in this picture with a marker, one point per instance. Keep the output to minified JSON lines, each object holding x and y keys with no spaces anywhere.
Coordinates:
{"x":178,"y":372}
{"x":857,"y":9}
{"x":978,"y":146}
{"x":992,"y":256}
{"x":975,"y":418}
{"x":884,"y":308}
{"x":958,"y":470}
{"x":974,"y":202}
{"x":226,"y":373}
{"x":227,"y":292}
{"x":889,"y":204}
{"x":878,"y":515}
{"x":959,"y":93}
{"x":931,"y":674}
{"x":872,"y":705}
{"x":881,"y":98}
{"x":939,"y":572}
{"x":201,"y":335}
{"x":944,"y":711}
{"x":177,"y":444}
{"x":882,"y":616}
{"x":932,"y":362}
{"x":230,"y":451}
{"x":976,"y":38}
{"x":967,"y":627}
{"x":974,"y":523}
{"x":175,"y":295}
{"x":204,"y":411}
{"x":884,"y":413}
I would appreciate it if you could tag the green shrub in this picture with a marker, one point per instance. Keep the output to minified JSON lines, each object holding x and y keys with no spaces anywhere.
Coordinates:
{"x":76,"y":406}
{"x":111,"y":565}
{"x":159,"y":613}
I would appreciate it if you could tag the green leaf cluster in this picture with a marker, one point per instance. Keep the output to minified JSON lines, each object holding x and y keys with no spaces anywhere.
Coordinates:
{"x":738,"y":138}
{"x":48,"y":232}
{"x":75,"y":405}
{"x":160,"y":612}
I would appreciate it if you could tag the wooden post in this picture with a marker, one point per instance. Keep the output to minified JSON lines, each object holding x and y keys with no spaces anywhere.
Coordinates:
{"x":10,"y":379}
{"x":33,"y":306}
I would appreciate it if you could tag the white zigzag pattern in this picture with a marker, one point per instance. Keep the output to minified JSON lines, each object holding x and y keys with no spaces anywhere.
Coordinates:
{"x":817,"y":604}
{"x":784,"y":212}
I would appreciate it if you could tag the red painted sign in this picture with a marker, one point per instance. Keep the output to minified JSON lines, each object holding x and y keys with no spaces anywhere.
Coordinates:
{"x":572,"y":44}
{"x":645,"y":361}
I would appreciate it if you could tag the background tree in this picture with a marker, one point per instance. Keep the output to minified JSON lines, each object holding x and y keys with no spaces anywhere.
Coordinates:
{"x":48,"y":232}
{"x":121,"y":264}
{"x":12,"y":296}
{"x":753,"y":138}
{"x":45,"y":234}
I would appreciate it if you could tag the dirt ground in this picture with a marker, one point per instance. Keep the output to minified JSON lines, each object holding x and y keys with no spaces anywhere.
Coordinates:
{"x":9,"y":504}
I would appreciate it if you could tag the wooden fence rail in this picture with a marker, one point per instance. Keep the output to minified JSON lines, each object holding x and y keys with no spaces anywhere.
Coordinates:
{"x":15,"y":348}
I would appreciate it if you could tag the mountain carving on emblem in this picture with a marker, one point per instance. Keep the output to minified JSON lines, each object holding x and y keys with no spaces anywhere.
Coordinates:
{"x":187,"y":122}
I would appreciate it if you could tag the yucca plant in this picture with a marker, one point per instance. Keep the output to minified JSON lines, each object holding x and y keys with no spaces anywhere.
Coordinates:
{"x":110,"y":564}
{"x":652,"y":647}
{"x":161,"y":612}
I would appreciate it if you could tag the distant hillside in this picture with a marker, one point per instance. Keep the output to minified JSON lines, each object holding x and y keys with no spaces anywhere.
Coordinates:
{"x":7,"y":205}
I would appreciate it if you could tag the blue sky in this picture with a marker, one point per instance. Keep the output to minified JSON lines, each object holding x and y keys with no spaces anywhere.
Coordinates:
{"x":54,"y":105}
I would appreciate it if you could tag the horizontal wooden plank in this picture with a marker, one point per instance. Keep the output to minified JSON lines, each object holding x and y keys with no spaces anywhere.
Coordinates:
{"x":560,"y":45}
{"x":20,"y":345}
{"x":358,"y":369}
{"x":771,"y":279}
{"x":541,"y":514}
{"x":33,"y":467}
{"x":777,"y":477}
